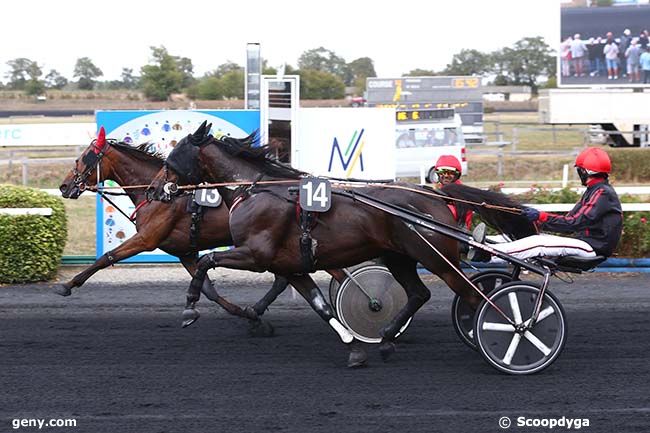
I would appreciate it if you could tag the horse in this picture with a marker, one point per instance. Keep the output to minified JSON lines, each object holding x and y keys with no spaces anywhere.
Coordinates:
{"x":267,"y":237}
{"x":159,"y":225}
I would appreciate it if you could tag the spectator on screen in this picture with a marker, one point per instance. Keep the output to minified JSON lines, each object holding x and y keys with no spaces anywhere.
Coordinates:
{"x":578,"y":52}
{"x":611,"y":57}
{"x":633,"y":55}
{"x":645,"y":65}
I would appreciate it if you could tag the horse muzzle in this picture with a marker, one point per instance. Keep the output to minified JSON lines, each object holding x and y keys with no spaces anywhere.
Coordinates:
{"x":72,"y":191}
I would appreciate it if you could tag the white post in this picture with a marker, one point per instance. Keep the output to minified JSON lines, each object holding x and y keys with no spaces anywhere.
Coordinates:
{"x":422,"y":175}
{"x":565,"y":176}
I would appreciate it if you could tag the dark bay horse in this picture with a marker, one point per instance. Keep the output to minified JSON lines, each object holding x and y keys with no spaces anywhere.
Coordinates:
{"x":267,"y":237}
{"x":159,"y":225}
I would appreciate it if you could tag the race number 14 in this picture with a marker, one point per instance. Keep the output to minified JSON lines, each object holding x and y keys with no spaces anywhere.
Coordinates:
{"x":315,"y":194}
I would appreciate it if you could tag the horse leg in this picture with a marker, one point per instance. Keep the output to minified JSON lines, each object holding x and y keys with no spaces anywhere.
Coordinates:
{"x":129,"y":248}
{"x":208,"y":289}
{"x":312,"y":294}
{"x":404,"y":269}
{"x":237,"y":258}
{"x":257,"y":326}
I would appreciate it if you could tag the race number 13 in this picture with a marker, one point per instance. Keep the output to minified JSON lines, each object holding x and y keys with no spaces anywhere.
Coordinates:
{"x":315,"y":194}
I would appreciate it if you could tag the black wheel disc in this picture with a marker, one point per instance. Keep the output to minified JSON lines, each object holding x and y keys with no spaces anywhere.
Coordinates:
{"x":462,"y":315}
{"x":529,"y":349}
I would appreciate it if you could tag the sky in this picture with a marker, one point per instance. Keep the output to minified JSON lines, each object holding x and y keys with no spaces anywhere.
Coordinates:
{"x":397,"y":35}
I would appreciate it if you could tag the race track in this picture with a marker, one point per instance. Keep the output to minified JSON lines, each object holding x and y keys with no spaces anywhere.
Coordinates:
{"x":113,"y":357}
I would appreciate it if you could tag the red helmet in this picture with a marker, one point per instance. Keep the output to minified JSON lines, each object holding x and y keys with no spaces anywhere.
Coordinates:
{"x":448,"y":162}
{"x":594,"y":160}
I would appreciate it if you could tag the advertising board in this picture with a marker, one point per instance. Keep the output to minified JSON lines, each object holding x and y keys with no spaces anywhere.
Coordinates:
{"x":162,"y":129}
{"x":346,"y":142}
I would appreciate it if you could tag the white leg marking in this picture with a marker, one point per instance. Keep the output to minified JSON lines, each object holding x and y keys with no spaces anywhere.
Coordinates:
{"x":343,"y":332}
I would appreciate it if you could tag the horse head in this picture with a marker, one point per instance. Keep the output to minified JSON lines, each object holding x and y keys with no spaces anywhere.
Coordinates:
{"x":180,"y":168}
{"x":81,"y":175}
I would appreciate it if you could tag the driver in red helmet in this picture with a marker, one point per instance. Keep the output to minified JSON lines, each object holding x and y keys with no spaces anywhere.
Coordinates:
{"x":448,"y":170}
{"x":596,"y":220}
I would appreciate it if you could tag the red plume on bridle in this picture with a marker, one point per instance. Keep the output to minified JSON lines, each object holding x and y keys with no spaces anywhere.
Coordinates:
{"x":101,"y":141}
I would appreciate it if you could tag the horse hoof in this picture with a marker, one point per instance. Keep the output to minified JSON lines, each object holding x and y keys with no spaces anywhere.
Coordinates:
{"x":250,"y":314}
{"x":190,"y":316}
{"x":358,"y":357}
{"x":260,"y":328}
{"x":63,"y":290}
{"x":386,"y":349}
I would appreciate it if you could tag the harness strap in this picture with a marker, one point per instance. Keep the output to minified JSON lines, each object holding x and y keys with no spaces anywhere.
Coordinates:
{"x":137,"y":208}
{"x":114,"y":205}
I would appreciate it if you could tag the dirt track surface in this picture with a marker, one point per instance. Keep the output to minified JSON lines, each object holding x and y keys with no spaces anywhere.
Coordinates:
{"x":113,"y":356}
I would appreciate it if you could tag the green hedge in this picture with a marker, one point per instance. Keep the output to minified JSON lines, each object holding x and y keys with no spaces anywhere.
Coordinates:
{"x":30,"y":246}
{"x":631,"y":165}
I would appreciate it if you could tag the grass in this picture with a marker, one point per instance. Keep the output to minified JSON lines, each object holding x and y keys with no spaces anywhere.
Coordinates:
{"x":81,"y":226}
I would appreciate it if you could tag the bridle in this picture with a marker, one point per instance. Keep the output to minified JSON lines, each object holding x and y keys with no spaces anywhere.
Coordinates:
{"x":80,"y":178}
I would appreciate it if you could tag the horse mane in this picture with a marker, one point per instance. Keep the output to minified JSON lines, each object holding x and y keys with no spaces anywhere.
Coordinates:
{"x":514,"y":225}
{"x":145,"y":152}
{"x":262,"y":157}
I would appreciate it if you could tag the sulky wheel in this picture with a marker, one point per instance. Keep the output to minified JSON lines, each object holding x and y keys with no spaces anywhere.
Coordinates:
{"x":462,"y":316}
{"x":335,"y":285}
{"x":368,"y":301}
{"x":520,"y":349}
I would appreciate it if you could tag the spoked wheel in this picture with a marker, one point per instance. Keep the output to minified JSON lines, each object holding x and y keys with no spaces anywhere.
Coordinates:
{"x":462,"y":315}
{"x":520,"y":349}
{"x":368,"y":301}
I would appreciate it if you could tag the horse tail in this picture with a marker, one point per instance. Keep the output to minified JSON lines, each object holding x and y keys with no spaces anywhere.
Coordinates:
{"x":514,"y":225}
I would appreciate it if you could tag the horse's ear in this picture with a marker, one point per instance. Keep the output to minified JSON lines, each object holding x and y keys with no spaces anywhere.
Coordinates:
{"x":200,"y":132}
{"x":101,"y":141}
{"x":208,"y":129}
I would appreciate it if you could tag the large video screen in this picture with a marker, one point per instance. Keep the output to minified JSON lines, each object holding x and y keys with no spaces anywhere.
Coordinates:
{"x":604,"y":44}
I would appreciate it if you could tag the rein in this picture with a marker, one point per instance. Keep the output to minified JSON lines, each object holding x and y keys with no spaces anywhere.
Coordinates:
{"x":512,"y":210}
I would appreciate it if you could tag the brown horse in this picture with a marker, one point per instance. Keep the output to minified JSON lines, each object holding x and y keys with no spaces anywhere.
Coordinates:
{"x":267,"y":237}
{"x":159,"y":225}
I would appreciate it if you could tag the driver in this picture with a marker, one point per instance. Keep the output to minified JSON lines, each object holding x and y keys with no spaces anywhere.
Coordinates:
{"x":596,"y":220}
{"x":448,"y":170}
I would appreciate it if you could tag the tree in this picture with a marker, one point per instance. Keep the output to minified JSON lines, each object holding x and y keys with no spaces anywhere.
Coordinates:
{"x":420,"y":73}
{"x":225,"y":68}
{"x":187,"y":69}
{"x":20,"y":72}
{"x":54,"y":80}
{"x":233,"y":84}
{"x":529,"y":60}
{"x":129,"y":81}
{"x":208,"y":88}
{"x":87,"y":72}
{"x":321,"y":59}
{"x":468,"y":62}
{"x":163,"y":77}
{"x":34,"y":87}
{"x":320,"y":85}
{"x":359,"y":70}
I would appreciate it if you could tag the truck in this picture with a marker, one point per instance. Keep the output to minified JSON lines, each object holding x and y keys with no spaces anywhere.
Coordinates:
{"x":622,"y":112}
{"x":422,"y":136}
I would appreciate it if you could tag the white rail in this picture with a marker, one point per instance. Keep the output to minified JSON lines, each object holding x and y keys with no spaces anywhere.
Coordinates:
{"x":44,"y":211}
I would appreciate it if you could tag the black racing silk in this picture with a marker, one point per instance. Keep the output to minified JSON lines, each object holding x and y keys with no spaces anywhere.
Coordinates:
{"x":596,"y":219}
